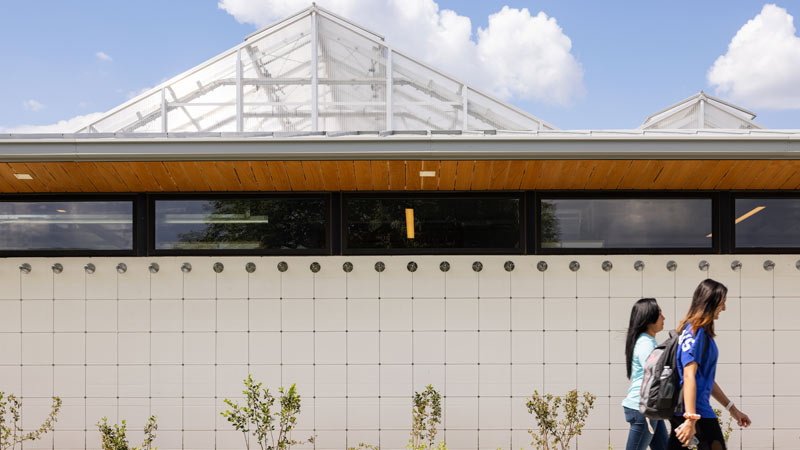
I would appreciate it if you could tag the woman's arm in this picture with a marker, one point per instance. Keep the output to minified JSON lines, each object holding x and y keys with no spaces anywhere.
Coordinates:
{"x":685,"y":432}
{"x":741,"y":418}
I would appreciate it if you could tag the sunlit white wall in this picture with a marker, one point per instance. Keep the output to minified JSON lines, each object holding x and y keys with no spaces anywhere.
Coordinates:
{"x":175,"y":344}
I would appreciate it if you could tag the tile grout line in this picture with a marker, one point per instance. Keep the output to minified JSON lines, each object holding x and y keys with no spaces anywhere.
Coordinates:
{"x":53,"y":348}
{"x":183,"y":358}
{"x":85,"y":361}
{"x":150,"y":360}
{"x":444,"y":410}
{"x":478,"y":408}
{"x":773,"y":357}
{"x":346,"y":361}
{"x":216,"y":356}
{"x":608,"y":339}
{"x":511,"y":365}
{"x":314,"y":355}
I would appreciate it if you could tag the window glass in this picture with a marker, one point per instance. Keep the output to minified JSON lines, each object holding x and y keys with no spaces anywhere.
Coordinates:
{"x":241,"y":224}
{"x":76,"y":225}
{"x":433,"y":223}
{"x":767,"y":222}
{"x":626,"y":223}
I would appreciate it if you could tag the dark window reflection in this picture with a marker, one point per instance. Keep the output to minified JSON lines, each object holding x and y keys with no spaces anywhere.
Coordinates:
{"x":106,"y":225}
{"x":241,"y":224}
{"x":626,"y":223}
{"x":767,"y":222}
{"x":438,"y":223}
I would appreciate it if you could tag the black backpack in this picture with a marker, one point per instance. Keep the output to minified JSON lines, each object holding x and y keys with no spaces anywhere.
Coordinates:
{"x":661,"y":395}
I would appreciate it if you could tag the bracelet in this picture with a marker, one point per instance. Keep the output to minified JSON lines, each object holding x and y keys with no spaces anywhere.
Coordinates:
{"x":729,"y":406}
{"x":688,"y":416}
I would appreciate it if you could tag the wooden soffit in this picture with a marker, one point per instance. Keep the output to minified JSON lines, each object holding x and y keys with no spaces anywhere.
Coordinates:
{"x":398,"y":175}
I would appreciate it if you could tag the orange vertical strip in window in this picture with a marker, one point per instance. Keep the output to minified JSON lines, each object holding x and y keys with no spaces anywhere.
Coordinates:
{"x":410,"y":223}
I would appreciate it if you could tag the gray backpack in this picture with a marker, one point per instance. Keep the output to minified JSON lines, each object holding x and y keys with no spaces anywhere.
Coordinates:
{"x":661,"y":395}
{"x":661,"y":386}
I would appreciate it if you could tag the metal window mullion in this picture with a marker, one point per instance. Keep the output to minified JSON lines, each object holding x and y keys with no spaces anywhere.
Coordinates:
{"x":239,"y":93}
{"x":464,"y":101}
{"x":389,"y":89}
{"x":314,"y":70}
{"x":702,"y":119}
{"x":163,"y":110}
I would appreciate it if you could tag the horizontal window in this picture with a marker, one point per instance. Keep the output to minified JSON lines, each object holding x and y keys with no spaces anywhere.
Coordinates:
{"x":241,"y":224}
{"x":767,"y":222}
{"x":66,"y":225}
{"x":433,"y":223}
{"x":626,"y":223}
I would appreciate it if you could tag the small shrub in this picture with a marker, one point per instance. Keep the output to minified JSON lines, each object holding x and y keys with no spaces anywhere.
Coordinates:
{"x":426,"y":415}
{"x":11,"y":432}
{"x":113,"y":437}
{"x":554,"y":433}
{"x":725,"y":425}
{"x":363,"y":446}
{"x":256,"y":416}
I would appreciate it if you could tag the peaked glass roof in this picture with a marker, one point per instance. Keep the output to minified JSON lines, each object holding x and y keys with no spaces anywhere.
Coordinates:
{"x":701,"y":111}
{"x":313,"y":71}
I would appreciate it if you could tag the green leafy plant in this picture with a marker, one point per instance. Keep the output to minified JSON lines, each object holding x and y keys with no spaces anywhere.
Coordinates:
{"x":256,"y":417}
{"x":363,"y":446}
{"x":426,"y":415}
{"x":11,"y":432}
{"x":554,"y":433}
{"x":113,"y":437}
{"x":725,"y":424}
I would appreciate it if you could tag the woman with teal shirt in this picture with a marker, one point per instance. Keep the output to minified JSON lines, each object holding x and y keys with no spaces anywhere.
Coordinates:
{"x":646,"y":320}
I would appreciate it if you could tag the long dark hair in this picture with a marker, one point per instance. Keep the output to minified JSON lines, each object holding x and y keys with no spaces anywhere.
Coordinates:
{"x":705,"y":302}
{"x":643,"y":313}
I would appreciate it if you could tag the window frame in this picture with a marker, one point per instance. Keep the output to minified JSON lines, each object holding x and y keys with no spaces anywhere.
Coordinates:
{"x":136,"y":211}
{"x":717,"y":236}
{"x":151,"y":224}
{"x":520,"y":196}
{"x":776,"y":195}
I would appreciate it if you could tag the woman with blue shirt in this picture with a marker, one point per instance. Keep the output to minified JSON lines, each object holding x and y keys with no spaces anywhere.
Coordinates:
{"x":697,"y":366}
{"x":646,"y":320}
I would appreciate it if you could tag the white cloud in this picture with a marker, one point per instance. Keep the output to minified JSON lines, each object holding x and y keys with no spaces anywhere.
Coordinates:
{"x":516,"y":55}
{"x":102,"y":56}
{"x":761,"y":66}
{"x":62,"y":126}
{"x":136,"y":93}
{"x":32,"y":105}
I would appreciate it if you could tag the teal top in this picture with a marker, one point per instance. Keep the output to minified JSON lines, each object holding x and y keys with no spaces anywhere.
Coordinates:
{"x":645,"y":344}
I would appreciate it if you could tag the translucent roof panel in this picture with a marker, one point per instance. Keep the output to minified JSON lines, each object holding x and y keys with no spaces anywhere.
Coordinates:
{"x":276,"y":78}
{"x":486,"y":113}
{"x":313,"y":71}
{"x":423,"y":98}
{"x":701,"y":111}
{"x":351,"y":67}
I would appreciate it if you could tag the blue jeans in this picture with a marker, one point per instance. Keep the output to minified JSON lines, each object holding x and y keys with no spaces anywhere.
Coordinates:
{"x":639,"y":436}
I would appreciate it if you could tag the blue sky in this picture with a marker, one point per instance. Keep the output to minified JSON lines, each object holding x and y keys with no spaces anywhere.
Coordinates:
{"x":636,"y":57}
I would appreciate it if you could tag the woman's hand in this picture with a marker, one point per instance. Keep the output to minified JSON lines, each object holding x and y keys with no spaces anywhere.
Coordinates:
{"x":741,"y":418}
{"x":685,"y":432}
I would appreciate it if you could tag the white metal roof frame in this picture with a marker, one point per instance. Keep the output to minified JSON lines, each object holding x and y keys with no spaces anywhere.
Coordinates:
{"x":312,"y":11}
{"x":702,"y":99}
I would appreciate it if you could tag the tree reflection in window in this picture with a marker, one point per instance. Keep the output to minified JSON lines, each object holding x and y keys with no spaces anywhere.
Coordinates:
{"x":250,"y":223}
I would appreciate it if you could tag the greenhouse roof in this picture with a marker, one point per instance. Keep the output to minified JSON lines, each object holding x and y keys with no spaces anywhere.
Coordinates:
{"x":701,"y":111}
{"x":312,"y":72}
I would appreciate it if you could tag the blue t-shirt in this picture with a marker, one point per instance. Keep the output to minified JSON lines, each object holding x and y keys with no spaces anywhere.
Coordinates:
{"x":692,"y":348}
{"x":641,"y":351}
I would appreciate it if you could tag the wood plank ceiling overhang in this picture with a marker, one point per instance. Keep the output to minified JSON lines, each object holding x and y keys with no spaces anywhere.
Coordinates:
{"x":381,"y":166}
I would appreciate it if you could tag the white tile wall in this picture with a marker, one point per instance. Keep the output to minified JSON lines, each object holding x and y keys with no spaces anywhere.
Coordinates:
{"x":358,"y":344}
